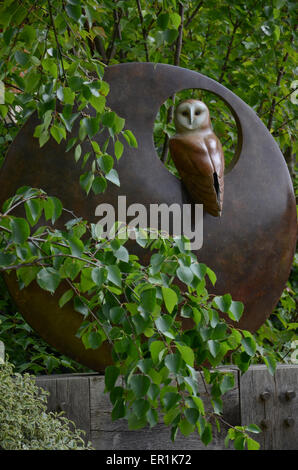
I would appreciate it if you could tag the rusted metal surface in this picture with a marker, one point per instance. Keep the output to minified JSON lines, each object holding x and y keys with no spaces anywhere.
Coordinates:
{"x":250,"y":247}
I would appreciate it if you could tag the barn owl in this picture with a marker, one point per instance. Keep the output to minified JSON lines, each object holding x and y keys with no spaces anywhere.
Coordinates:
{"x":198,"y":155}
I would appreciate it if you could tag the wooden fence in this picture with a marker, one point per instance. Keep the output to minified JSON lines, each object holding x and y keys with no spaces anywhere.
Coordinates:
{"x":259,"y":398}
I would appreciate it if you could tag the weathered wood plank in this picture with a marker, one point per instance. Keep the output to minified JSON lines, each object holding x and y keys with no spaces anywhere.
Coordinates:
{"x":70,"y":394}
{"x":286,"y":433}
{"x":49,"y":384}
{"x":82,"y":398}
{"x":109,"y":435}
{"x":74,"y":399}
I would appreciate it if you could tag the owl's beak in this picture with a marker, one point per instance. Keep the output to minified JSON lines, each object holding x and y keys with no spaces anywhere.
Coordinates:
{"x":191,"y":116}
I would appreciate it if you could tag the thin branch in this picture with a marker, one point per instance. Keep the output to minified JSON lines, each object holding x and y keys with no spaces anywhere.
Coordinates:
{"x":196,"y":10}
{"x":278,"y":80}
{"x":57,"y":40}
{"x":143,"y":29}
{"x":117,"y":32}
{"x":278,"y":102}
{"x":179,"y":41}
{"x":227,"y":56}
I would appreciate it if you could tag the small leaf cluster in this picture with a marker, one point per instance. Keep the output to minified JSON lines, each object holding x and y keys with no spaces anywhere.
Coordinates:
{"x":24,"y":421}
{"x":48,"y":68}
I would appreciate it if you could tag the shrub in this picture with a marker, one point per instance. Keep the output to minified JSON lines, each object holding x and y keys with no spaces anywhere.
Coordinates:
{"x":24,"y":422}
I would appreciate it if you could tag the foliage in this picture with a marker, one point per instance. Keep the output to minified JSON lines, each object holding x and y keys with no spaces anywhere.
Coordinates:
{"x":139,"y":310}
{"x":24,"y":422}
{"x":28,"y":352}
{"x":52,"y":60}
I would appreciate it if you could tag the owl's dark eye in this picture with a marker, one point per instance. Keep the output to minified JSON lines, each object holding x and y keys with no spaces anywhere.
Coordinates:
{"x":185,"y":113}
{"x":197,"y":113}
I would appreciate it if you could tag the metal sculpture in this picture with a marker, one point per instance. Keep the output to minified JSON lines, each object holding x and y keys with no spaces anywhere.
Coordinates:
{"x":198,"y":156}
{"x":250,"y":247}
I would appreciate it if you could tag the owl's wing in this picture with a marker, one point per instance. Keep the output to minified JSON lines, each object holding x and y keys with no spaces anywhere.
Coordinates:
{"x":217,"y":157}
{"x":201,"y":166}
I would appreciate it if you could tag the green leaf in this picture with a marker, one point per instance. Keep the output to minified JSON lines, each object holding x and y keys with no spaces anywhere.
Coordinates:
{"x":32,"y":80}
{"x":186,"y":427}
{"x":270,"y":363}
{"x":199,"y":405}
{"x":27,"y":275}
{"x":252,"y":444}
{"x":58,"y":133}
{"x":253,"y":428}
{"x":21,"y":58}
{"x":76,"y":246}
{"x":20,"y":230}
{"x":249,"y":345}
{"x":153,"y":391}
{"x":91,"y":125}
{"x":170,"y":399}
{"x":118,"y":149}
{"x":173,"y":362}
{"x":239,"y":442}
{"x":80,"y":306}
{"x":163,"y":20}
{"x":170,"y":298}
{"x":192,"y":415}
{"x":223,"y":302}
{"x":33,"y":210}
{"x":50,"y":66}
{"x":78,"y":152}
{"x":86,"y":181}
{"x":214,"y":347}
{"x":57,"y":208}
{"x":199,"y":270}
{"x":99,"y":185}
{"x":113,"y":177}
{"x":187,"y":354}
{"x":207,"y":434}
{"x":6,"y":259}
{"x":130,"y":138}
{"x":98,"y":275}
{"x":114,"y":275}
{"x":152,"y":417}
{"x":227,"y":383}
{"x":119,"y":410}
{"x":156,"y":347}
{"x":164,"y":324}
{"x":74,"y":11}
{"x":106,"y":162}
{"x":122,"y":254}
{"x":139,"y":385}
{"x":94,"y":340}
{"x":117,"y":314}
{"x":236,"y":310}
{"x":75,"y":83}
{"x":48,"y":279}
{"x":65,"y":297}
{"x":148,"y":299}
{"x":111,"y":375}
{"x":118,"y":124}
{"x":98,"y":103}
{"x":185,"y":274}
{"x":140,"y":407}
{"x":211,"y":275}
{"x":108,"y":118}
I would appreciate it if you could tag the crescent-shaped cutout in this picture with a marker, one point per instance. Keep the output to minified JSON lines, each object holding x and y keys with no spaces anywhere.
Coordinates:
{"x":250,"y":248}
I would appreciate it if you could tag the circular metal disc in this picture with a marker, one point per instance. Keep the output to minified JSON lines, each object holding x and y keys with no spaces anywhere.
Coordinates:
{"x":250,"y":247}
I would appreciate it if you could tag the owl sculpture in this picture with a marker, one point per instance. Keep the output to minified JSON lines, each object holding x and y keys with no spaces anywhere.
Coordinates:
{"x":198,"y":155}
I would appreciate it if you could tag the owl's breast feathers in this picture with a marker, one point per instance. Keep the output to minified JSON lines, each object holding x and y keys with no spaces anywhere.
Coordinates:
{"x":199,"y":160}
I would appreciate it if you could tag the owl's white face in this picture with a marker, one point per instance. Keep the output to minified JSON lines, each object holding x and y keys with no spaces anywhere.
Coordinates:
{"x":191,"y":115}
